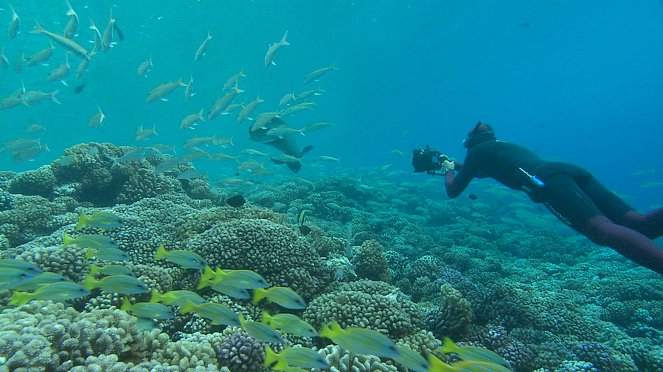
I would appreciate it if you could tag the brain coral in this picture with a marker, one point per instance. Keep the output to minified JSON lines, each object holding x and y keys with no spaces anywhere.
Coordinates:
{"x":275,"y":251}
{"x":365,"y":303}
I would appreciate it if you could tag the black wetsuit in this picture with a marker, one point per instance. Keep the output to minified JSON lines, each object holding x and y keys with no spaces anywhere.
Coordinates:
{"x":570,"y":193}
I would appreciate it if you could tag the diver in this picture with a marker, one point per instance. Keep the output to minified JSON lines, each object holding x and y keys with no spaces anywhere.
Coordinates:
{"x":568,"y":191}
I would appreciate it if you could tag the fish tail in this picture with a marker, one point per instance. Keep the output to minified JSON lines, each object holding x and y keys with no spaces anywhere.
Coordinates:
{"x":325,"y":332}
{"x":53,"y":96}
{"x":207,"y":278}
{"x":82,"y":221}
{"x":266,"y":318}
{"x":437,"y":365}
{"x":448,"y":346}
{"x":89,"y":253}
{"x":283,"y":40}
{"x":155,"y":296}
{"x":258,"y":295}
{"x":38,"y":29}
{"x":273,"y":361}
{"x":126,"y":304}
{"x":94,"y":269}
{"x":20,"y":298}
{"x":161,"y":252}
{"x":89,"y":282}
{"x":188,"y":307}
{"x":66,"y":239}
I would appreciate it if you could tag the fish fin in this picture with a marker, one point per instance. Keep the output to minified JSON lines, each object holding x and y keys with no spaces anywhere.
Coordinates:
{"x":305,"y":151}
{"x":164,"y":99}
{"x":294,"y":166}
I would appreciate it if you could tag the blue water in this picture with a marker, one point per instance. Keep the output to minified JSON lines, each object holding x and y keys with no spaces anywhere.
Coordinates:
{"x":574,"y":81}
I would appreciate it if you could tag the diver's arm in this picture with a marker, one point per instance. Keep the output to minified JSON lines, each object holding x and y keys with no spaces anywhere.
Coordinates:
{"x":454,"y":183}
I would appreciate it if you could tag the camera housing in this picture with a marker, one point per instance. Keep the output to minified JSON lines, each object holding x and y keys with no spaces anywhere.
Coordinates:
{"x":427,"y":160}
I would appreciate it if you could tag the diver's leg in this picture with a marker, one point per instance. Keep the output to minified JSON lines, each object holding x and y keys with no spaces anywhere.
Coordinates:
{"x":618,"y":211}
{"x":629,"y":243}
{"x":565,"y":199}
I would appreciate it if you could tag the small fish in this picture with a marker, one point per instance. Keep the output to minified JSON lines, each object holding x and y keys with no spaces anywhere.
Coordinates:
{"x":281,"y":132}
{"x":20,"y":265}
{"x":41,"y":56}
{"x":326,"y":159}
{"x":283,"y":296}
{"x":360,"y":340}
{"x":18,"y":63}
{"x":66,"y":43}
{"x":203,"y":46}
{"x":273,"y":48}
{"x":33,"y":97}
{"x":19,"y":144}
{"x":472,"y":196}
{"x":144,"y":134}
{"x":299,"y":357}
{"x":60,"y":72}
{"x":641,"y":172}
{"x":234,"y":292}
{"x":189,"y":121}
{"x":121,"y":284}
{"x":236,"y":201}
{"x":36,"y":129}
{"x":80,"y":71}
{"x":412,"y":360}
{"x":219,"y":314}
{"x":190,"y":174}
{"x":147,"y":310}
{"x":176,"y":298}
{"x":232,"y":81}
{"x":145,"y":67}
{"x":103,"y":220}
{"x":97,"y":119}
{"x":309,"y":93}
{"x":34,"y":282}
{"x":297,"y":108}
{"x":289,"y":323}
{"x":72,"y":25}
{"x":246,"y":279}
{"x":254,"y":152}
{"x":464,"y":366}
{"x":398,"y":152}
{"x":107,"y":37}
{"x":95,"y":241}
{"x":473,"y":353}
{"x":111,"y":270}
{"x":246,"y":111}
{"x":286,"y":98}
{"x":12,"y":29}
{"x":106,"y":254}
{"x":315,"y":75}
{"x":221,"y":104}
{"x":301,"y":218}
{"x":188,"y":91}
{"x":185,"y":259}
{"x":263,"y":119}
{"x":4,"y":61}
{"x":160,"y":92}
{"x":317,"y":125}
{"x":261,"y":331}
{"x":96,"y":36}
{"x":10,"y":102}
{"x":59,"y":291}
{"x":221,"y":156}
{"x":649,"y":185}
{"x":168,"y":165}
{"x":119,"y":32}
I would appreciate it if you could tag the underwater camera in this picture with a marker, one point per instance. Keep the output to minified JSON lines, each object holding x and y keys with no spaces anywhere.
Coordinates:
{"x":427,"y":160}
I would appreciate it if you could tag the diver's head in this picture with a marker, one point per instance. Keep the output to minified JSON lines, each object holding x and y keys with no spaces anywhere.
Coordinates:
{"x":480,"y":133}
